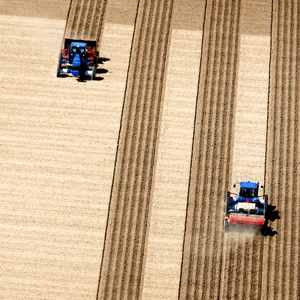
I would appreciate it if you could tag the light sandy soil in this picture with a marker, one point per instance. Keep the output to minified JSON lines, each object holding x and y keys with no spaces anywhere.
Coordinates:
{"x":115,"y":188}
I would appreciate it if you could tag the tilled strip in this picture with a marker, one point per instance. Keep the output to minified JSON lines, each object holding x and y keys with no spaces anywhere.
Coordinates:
{"x":121,"y":271}
{"x":282,"y":161}
{"x":86,"y":19}
{"x":212,"y":151}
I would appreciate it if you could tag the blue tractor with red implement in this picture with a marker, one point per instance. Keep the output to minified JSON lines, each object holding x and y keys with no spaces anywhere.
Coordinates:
{"x":78,"y":58}
{"x":246,"y":209}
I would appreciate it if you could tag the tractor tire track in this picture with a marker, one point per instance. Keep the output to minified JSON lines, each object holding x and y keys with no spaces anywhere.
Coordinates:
{"x":121,"y":273}
{"x":282,"y":160}
{"x":212,"y":151}
{"x":86,"y":20}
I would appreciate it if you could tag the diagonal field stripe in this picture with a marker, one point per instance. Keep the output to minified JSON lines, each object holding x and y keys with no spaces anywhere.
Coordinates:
{"x":164,"y":252}
{"x":251,"y":109}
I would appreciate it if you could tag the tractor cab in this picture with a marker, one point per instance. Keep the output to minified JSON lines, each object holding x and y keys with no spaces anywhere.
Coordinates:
{"x":77,"y":54}
{"x":248,"y":190}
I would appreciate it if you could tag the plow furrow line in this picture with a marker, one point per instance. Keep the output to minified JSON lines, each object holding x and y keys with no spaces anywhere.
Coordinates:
{"x":81,"y":20}
{"x":98,"y":20}
{"x":89,"y":17}
{"x":76,"y":18}
{"x":71,"y":17}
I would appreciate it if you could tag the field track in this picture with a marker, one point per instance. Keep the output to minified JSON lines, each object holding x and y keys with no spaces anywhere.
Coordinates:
{"x":108,"y":185}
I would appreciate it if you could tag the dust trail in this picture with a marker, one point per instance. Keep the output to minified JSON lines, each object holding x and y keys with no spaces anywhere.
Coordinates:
{"x":241,"y":234}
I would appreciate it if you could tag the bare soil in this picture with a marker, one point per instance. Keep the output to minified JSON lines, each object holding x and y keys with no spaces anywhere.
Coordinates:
{"x":79,"y":160}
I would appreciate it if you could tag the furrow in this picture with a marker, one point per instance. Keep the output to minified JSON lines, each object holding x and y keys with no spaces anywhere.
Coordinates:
{"x":76,"y":19}
{"x":86,"y":20}
{"x":220,"y":134}
{"x":280,"y":145}
{"x":122,"y":266}
{"x":255,"y":275}
{"x":288,"y":161}
{"x":242,"y":268}
{"x":282,"y":178}
{"x":203,"y":243}
{"x":89,"y":18}
{"x":98,"y":20}
{"x":155,"y":91}
{"x":249,"y":282}
{"x":225,"y":127}
{"x":83,"y":20}
{"x":207,"y":210}
{"x":269,"y":245}
{"x":274,"y":144}
{"x":295,"y":273}
{"x":74,"y":5}
{"x":190,"y":254}
{"x":130,"y":111}
{"x":137,"y":153}
{"x":233,"y":269}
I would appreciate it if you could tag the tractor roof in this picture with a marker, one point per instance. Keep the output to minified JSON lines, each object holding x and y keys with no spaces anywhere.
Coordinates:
{"x":78,"y":44}
{"x":248,"y":184}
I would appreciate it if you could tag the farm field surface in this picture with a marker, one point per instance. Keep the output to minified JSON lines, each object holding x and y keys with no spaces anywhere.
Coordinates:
{"x":114,"y":188}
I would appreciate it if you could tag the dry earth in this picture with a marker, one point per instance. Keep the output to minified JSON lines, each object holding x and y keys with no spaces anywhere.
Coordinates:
{"x":115,"y":188}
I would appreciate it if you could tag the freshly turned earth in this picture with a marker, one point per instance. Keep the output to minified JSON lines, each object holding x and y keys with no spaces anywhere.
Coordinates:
{"x":115,"y":188}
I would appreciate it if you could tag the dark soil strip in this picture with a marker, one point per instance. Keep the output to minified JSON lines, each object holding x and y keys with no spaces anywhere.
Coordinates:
{"x":282,"y":160}
{"x":86,"y":20}
{"x":212,"y":152}
{"x":121,"y":273}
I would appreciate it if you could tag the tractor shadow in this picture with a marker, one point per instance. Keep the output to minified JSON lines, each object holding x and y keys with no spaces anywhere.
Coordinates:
{"x":102,"y":60}
{"x":100,"y":70}
{"x":271,"y":215}
{"x":82,"y":79}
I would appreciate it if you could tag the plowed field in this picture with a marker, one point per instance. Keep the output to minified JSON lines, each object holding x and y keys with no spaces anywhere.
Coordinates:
{"x":115,"y":188}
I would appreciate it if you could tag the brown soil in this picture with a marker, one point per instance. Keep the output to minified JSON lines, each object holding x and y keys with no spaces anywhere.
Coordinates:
{"x":60,"y":126}
{"x":52,"y":9}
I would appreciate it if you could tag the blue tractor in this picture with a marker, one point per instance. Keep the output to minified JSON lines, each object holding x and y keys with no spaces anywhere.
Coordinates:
{"x":78,"y":58}
{"x":246,"y":209}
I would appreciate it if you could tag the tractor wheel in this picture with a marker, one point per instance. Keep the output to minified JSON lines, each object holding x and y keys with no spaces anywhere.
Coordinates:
{"x":59,"y":65}
{"x":81,"y":73}
{"x":227,"y":203}
{"x":226,"y":226}
{"x":94,"y":70}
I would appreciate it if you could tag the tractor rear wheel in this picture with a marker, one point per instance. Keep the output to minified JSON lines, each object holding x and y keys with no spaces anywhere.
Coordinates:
{"x":59,"y":65}
{"x":94,"y":70}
